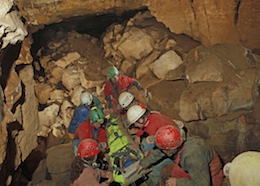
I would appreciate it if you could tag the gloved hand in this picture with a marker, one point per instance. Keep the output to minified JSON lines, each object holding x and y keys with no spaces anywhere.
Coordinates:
{"x":102,"y":145}
{"x":70,"y":135}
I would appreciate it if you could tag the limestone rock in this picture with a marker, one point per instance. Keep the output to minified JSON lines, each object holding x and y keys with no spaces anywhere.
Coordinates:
{"x":1,"y":104}
{"x":44,"y":61}
{"x":25,"y":56}
{"x":137,"y":45}
{"x":58,"y":130}
{"x":42,"y":92}
{"x":56,"y":74}
{"x":128,"y":66}
{"x":176,"y":74}
{"x":71,"y":77}
{"x":6,"y":6}
{"x":202,"y":100}
{"x":59,"y":159}
{"x":88,"y":84}
{"x":40,"y":173}
{"x":168,"y":61}
{"x":46,"y":182}
{"x":57,"y":95}
{"x":46,"y":15}
{"x":66,"y":112}
{"x":12,"y":28}
{"x":170,"y":43}
{"x":67,"y":60}
{"x":27,"y":137}
{"x":75,"y":95}
{"x":143,"y":65}
{"x":208,"y":69}
{"x":3,"y":137}
{"x":208,"y":22}
{"x":13,"y":90}
{"x":48,"y":116}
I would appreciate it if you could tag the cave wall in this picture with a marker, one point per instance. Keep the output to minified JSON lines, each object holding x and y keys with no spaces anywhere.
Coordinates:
{"x":211,"y":22}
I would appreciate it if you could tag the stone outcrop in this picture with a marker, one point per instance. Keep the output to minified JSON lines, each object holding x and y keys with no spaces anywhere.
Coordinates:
{"x":210,"y":22}
{"x":232,"y":68}
{"x":12,"y":29}
{"x":42,"y":13}
{"x":58,"y":162}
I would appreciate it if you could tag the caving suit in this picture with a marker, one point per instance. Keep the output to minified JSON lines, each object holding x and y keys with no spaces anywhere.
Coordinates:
{"x":81,"y":113}
{"x":97,"y":103}
{"x":195,"y":164}
{"x":86,"y":130}
{"x":154,"y":121}
{"x":113,"y":90}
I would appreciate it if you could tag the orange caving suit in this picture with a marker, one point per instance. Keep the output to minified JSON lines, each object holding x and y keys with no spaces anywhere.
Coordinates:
{"x":112,"y":91}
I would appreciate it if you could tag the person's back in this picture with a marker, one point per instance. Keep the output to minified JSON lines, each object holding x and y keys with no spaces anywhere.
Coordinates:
{"x":86,"y":130}
{"x":155,"y":120}
{"x":81,"y":113}
{"x":196,"y":159}
{"x":84,"y":170}
{"x":115,"y":85}
{"x":91,"y":128}
{"x":97,"y":103}
{"x":113,"y":89}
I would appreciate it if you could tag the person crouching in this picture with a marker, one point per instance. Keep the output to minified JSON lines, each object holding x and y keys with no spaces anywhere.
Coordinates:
{"x":84,"y":169}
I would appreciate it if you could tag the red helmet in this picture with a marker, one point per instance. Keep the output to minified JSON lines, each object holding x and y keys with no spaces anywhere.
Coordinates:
{"x":168,"y":137}
{"x":88,"y":147}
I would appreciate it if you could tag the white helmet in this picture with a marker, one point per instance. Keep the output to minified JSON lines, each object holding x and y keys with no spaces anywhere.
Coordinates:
{"x":125,"y":98}
{"x":134,"y":113}
{"x":244,"y":167}
{"x":86,"y":98}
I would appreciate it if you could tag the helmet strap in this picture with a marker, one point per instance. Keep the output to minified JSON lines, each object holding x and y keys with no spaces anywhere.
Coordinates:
{"x":86,"y":162}
{"x":140,"y":121}
{"x":183,"y":135}
{"x":178,"y":150}
{"x":181,"y":127}
{"x":142,"y":117}
{"x":89,"y":163}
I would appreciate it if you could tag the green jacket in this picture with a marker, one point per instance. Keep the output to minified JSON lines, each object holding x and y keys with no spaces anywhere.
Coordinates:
{"x":194,"y":159}
{"x":97,"y":103}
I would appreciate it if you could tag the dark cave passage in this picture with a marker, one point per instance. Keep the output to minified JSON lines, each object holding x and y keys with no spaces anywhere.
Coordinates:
{"x":93,"y":25}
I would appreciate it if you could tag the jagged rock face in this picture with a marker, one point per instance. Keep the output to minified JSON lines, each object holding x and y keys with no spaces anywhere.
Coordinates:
{"x":42,"y":12}
{"x":210,"y":22}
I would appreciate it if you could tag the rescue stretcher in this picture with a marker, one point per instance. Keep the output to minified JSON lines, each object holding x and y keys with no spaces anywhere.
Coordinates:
{"x":124,"y":154}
